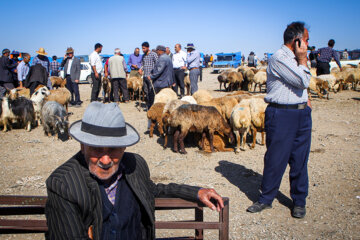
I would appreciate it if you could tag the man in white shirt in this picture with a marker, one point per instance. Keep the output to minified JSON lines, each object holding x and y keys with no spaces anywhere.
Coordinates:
{"x":179,"y":65}
{"x":96,"y":68}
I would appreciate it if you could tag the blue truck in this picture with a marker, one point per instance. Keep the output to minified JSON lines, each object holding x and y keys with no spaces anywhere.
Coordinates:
{"x":226,"y":61}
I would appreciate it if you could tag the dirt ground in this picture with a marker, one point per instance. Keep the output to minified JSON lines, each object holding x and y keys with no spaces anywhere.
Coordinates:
{"x":333,"y":204}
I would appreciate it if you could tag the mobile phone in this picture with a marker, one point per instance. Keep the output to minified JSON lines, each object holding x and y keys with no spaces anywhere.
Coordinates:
{"x":299,"y":42}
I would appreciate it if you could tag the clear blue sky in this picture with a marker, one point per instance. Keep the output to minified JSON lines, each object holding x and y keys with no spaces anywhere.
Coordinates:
{"x":213,"y":26}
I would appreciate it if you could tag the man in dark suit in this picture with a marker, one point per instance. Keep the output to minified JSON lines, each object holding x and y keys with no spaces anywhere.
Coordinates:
{"x":104,"y":192}
{"x":72,"y":69}
{"x":6,"y":78}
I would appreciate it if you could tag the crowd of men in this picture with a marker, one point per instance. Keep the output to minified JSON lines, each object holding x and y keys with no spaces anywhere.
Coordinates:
{"x":159,"y":68}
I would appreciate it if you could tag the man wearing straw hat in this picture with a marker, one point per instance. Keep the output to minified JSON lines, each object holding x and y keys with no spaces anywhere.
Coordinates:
{"x":42,"y":59}
{"x":103,"y":192}
{"x":193,"y":64}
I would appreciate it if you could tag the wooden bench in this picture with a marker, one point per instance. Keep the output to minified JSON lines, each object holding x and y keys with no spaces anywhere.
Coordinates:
{"x":35,"y":205}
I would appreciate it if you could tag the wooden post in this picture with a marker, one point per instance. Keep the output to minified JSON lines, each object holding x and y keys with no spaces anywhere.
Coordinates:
{"x":199,"y":217}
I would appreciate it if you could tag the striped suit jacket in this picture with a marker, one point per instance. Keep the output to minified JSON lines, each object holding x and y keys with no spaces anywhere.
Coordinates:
{"x":74,"y":201}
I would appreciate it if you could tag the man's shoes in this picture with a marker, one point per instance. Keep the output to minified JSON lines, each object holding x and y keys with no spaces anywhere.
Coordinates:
{"x":298,"y":212}
{"x":257,"y":207}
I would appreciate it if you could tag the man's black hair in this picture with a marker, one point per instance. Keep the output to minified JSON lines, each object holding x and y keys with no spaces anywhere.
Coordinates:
{"x":54,"y":57}
{"x":98,"y":45}
{"x":331,"y":43}
{"x":145,"y":44}
{"x":293,"y":30}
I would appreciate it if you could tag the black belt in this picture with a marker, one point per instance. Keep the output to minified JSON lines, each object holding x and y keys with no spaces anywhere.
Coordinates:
{"x":178,"y":69}
{"x":289,"y":106}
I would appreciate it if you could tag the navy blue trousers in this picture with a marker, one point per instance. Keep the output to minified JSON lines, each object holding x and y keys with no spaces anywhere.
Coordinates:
{"x":288,"y":140}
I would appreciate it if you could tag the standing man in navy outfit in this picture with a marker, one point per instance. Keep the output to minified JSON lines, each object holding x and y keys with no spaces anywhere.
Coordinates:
{"x":287,"y":121}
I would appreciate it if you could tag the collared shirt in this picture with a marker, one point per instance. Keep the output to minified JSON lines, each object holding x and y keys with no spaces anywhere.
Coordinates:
{"x":193,"y":59}
{"x":54,"y":66}
{"x":287,"y":82}
{"x":95,"y":60}
{"x":45,"y":63}
{"x":111,"y":190}
{"x":326,"y":54}
{"x":179,"y":59}
{"x":148,"y":62}
{"x":69,"y":65}
{"x":135,"y":60}
{"x":22,"y":70}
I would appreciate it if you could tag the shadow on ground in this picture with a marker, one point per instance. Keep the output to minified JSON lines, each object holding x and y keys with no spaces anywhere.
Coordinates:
{"x":247,"y":181}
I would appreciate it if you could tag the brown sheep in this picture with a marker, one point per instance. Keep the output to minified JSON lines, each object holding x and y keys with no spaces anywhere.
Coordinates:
{"x":318,"y":85}
{"x":223,"y":77}
{"x":248,"y":79}
{"x":135,"y":84}
{"x":155,"y":116}
{"x":106,"y":84}
{"x":60,"y":95}
{"x":57,"y":82}
{"x":168,"y":109}
{"x":220,"y":141}
{"x":223,"y":104}
{"x":235,"y":79}
{"x":197,"y":118}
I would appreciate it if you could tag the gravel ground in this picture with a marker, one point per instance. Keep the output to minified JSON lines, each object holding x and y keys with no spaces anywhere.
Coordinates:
{"x":333,"y":207}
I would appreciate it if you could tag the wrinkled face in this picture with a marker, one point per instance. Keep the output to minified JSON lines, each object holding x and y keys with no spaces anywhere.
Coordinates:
{"x":70,"y":55}
{"x":103,"y":162}
{"x":137,"y":51}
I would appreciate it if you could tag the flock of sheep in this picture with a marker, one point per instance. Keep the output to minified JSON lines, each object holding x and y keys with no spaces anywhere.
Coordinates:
{"x":48,"y":107}
{"x":213,"y":121}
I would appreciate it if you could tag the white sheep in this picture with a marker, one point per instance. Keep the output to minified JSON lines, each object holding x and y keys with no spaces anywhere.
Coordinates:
{"x":165,"y":95}
{"x":189,"y":99}
{"x":240,"y":120}
{"x":38,"y":99}
{"x":259,"y":79}
{"x":202,"y":96}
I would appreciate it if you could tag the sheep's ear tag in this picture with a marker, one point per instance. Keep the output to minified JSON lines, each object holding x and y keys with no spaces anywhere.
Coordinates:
{"x":241,"y":108}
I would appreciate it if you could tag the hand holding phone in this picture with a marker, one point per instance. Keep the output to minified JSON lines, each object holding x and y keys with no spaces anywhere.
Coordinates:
{"x":300,"y":50}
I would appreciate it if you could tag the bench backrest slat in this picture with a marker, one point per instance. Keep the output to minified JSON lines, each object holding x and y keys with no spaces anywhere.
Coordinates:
{"x":35,"y":205}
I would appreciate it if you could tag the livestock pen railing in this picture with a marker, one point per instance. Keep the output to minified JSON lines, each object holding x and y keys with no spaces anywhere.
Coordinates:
{"x":21,"y":206}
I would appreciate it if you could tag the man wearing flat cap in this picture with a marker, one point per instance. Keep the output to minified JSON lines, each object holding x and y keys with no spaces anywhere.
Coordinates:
{"x":193,"y":64}
{"x":162,"y":75}
{"x":103,"y":192}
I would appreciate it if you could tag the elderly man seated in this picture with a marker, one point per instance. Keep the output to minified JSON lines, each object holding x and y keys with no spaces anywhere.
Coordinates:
{"x":103,"y":192}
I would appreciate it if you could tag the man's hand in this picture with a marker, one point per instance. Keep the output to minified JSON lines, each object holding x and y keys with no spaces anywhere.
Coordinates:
{"x":206,"y":194}
{"x":140,"y":71}
{"x":183,"y":68}
{"x":309,"y":103}
{"x":77,"y":81}
{"x":148,"y":77}
{"x":96,"y":75}
{"x":301,"y":52}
